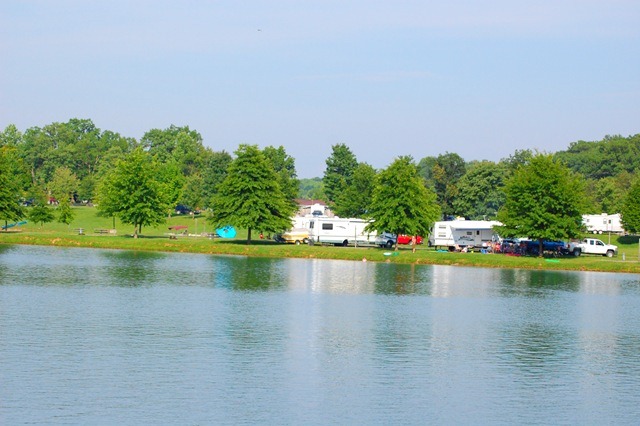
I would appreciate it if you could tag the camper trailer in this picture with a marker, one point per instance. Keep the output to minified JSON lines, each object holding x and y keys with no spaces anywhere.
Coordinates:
{"x":599,"y":223}
{"x":463,"y":233}
{"x":340,"y":232}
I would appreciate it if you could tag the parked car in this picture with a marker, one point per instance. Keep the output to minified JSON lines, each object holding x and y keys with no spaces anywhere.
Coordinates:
{"x":387,"y":239}
{"x":182,"y":209}
{"x":407,"y":239}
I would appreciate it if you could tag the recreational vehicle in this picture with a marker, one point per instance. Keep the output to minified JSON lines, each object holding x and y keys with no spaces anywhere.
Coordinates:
{"x":463,"y":233}
{"x":340,"y":231}
{"x":599,"y":223}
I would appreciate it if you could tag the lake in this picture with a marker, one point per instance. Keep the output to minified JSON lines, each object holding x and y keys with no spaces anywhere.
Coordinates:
{"x":119,"y":337}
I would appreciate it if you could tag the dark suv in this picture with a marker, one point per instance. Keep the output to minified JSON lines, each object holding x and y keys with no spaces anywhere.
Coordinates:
{"x":182,"y":209}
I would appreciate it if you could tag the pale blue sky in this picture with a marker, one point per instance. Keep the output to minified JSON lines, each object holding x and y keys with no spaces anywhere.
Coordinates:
{"x":387,"y":78}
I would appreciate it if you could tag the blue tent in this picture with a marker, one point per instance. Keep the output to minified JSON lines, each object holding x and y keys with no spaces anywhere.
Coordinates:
{"x":11,"y":225}
{"x":226,"y":232}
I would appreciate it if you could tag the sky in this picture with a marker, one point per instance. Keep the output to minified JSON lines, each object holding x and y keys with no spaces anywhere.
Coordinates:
{"x":481,"y":79}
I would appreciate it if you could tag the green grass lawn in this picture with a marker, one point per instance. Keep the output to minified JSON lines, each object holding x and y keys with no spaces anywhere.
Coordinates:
{"x":157,"y":239}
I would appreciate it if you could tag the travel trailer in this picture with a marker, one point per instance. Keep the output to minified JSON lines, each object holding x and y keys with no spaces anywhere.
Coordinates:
{"x":340,"y":231}
{"x":599,"y":223}
{"x":463,"y":233}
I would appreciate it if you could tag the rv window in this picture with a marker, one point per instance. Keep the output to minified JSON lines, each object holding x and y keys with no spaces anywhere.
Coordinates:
{"x":327,"y":226}
{"x":477,"y":232}
{"x":469,"y":233}
{"x":311,"y":224}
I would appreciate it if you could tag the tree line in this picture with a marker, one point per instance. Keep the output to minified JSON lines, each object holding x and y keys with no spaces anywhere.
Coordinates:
{"x":256,"y":189}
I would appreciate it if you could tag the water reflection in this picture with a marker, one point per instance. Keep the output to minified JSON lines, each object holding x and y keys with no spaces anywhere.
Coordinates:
{"x":534,"y":283}
{"x":133,"y":268}
{"x":249,"y":273}
{"x":151,"y":338}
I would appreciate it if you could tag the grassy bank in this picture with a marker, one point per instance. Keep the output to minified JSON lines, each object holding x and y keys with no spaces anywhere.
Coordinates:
{"x":157,"y":239}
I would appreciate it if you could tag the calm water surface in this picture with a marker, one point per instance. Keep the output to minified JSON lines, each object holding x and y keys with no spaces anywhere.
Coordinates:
{"x":114,"y":337}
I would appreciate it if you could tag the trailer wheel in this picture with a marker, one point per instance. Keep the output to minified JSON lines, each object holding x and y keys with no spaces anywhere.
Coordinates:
{"x":305,"y":241}
{"x":297,"y":242}
{"x":345,"y":243}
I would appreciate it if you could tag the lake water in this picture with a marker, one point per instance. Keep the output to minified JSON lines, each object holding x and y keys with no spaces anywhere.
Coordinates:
{"x":116,"y":337}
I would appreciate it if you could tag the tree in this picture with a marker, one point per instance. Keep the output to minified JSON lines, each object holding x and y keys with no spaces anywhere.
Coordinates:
{"x":250,"y":196}
{"x":631,"y":209}
{"x":11,"y":136}
{"x":401,"y":203}
{"x":214,"y":173}
{"x":447,"y":171}
{"x":425,"y":170}
{"x":609,"y":193}
{"x":132,"y":193}
{"x":285,"y":167}
{"x":521,"y":157}
{"x":480,"y":191}
{"x":193,"y":192}
{"x":179,"y":144}
{"x":337,"y":176}
{"x":608,"y":157}
{"x":355,"y":199}
{"x":171,"y":182}
{"x":40,"y":212}
{"x":311,"y":189}
{"x":65,"y":214}
{"x":544,"y":200}
{"x":10,"y":208}
{"x":63,"y":184}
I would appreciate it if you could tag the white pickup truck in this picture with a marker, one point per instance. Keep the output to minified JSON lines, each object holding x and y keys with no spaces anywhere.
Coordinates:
{"x":592,"y":246}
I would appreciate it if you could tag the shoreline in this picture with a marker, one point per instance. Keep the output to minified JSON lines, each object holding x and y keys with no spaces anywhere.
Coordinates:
{"x":271,"y":249}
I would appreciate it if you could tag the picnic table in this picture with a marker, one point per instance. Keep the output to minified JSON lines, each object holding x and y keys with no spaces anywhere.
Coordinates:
{"x":173,"y":235}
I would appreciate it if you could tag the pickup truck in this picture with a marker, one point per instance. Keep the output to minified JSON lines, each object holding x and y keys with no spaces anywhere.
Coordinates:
{"x":592,"y":246}
{"x":533,"y":246}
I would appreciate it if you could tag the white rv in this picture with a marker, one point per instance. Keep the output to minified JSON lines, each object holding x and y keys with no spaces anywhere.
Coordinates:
{"x":463,"y":233}
{"x":340,"y":231}
{"x":599,"y":223}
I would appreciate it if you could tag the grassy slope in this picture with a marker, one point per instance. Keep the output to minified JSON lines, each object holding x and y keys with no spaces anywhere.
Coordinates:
{"x":156,"y":239}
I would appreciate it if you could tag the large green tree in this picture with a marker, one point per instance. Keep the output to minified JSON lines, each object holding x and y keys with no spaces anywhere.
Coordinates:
{"x":355,"y":199}
{"x":285,"y":167}
{"x":40,"y":212}
{"x":544,"y":200}
{"x":446,"y":172}
{"x":631,"y":209}
{"x":10,"y":136}
{"x":132,"y":192}
{"x":214,"y":173}
{"x":65,"y":213}
{"x":480,"y":191}
{"x":608,"y":194}
{"x":311,"y":189}
{"x":63,"y":184}
{"x":608,"y":157}
{"x":340,"y":167}
{"x":250,"y":197}
{"x":401,"y":203}
{"x":176,"y":143}
{"x":425,"y":169}
{"x":10,"y":208}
